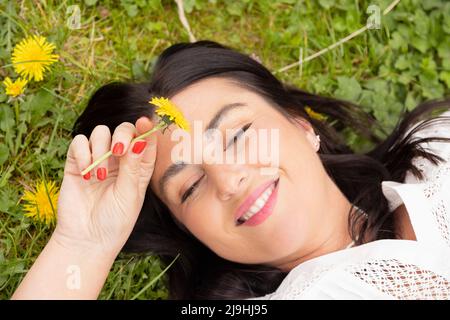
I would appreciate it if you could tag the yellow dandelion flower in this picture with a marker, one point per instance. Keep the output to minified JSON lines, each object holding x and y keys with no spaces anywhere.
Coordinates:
{"x":169,"y":113}
{"x":15,"y":88}
{"x":33,"y":56}
{"x":315,"y":115}
{"x":42,"y":202}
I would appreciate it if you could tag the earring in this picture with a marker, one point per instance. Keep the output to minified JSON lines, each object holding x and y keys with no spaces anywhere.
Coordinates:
{"x":317,"y":142}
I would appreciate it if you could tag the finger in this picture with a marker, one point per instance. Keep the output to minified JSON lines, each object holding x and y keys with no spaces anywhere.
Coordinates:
{"x":130,"y":167}
{"x":123,"y":134}
{"x":143,"y":125}
{"x":100,"y":142}
{"x":78,"y":156}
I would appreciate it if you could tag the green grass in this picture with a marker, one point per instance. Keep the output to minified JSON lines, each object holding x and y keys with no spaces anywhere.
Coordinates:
{"x":403,"y":63}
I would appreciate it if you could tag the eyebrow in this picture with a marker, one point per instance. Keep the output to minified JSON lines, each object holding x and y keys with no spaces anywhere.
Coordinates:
{"x":177,"y":167}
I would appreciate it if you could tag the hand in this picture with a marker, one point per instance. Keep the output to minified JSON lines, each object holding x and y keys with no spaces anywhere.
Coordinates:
{"x":100,"y":214}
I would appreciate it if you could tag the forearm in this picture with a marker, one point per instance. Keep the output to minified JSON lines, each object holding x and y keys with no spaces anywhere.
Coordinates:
{"x":63,"y":272}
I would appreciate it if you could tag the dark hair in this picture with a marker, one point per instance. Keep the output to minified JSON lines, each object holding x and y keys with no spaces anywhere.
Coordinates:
{"x":201,"y":274}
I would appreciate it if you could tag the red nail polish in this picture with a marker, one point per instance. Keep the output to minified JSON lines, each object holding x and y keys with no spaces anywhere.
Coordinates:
{"x":87,"y":176}
{"x":139,"y":146}
{"x":101,"y":173}
{"x":118,"y":148}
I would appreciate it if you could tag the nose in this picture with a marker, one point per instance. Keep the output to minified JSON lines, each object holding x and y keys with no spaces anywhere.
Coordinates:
{"x":230,"y":180}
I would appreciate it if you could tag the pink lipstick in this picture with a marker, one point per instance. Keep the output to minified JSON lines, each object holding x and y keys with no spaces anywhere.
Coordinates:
{"x":258,"y":205}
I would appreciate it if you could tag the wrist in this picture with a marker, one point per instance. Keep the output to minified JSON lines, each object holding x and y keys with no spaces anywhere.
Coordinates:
{"x":67,"y":269}
{"x":83,"y":247}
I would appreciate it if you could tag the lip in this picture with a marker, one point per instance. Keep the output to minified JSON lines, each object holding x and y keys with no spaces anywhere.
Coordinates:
{"x":265,"y":211}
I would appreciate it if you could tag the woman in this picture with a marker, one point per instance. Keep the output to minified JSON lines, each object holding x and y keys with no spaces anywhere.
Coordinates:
{"x":327,"y":224}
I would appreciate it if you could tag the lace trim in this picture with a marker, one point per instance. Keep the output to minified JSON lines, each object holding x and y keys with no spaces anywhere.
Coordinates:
{"x":296,"y":285}
{"x":437,"y":192}
{"x":401,"y":280}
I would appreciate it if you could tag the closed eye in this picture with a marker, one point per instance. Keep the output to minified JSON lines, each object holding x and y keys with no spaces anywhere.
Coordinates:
{"x":191,"y":190}
{"x":238,"y":134}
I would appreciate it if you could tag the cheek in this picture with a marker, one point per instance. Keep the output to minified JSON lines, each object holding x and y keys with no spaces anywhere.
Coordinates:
{"x":298,"y":220}
{"x":297,"y":158}
{"x":304,"y":195}
{"x":209,"y":223}
{"x":204,"y":219}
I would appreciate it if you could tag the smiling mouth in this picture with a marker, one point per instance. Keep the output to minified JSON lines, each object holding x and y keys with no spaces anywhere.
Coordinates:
{"x":258,"y":205}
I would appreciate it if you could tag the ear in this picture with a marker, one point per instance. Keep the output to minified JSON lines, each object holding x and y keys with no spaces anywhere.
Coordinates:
{"x":306,"y":126}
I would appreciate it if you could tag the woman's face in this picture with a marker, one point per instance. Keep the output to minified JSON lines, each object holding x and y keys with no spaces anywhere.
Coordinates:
{"x":293,"y":209}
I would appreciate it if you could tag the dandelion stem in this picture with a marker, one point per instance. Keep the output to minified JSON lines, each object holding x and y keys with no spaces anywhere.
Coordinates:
{"x":160,"y":125}
{"x":16,"y":109}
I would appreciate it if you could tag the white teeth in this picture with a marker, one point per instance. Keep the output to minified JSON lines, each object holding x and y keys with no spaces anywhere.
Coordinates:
{"x":247,"y":215}
{"x":266,"y":194}
{"x":258,"y":204}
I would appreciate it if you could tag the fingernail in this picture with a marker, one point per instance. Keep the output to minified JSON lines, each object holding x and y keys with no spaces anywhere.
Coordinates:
{"x":118,"y":148}
{"x":87,"y":176}
{"x":101,"y":173}
{"x":139,"y":146}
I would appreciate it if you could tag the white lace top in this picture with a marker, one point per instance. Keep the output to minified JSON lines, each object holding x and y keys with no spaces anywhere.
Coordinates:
{"x":391,"y":269}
